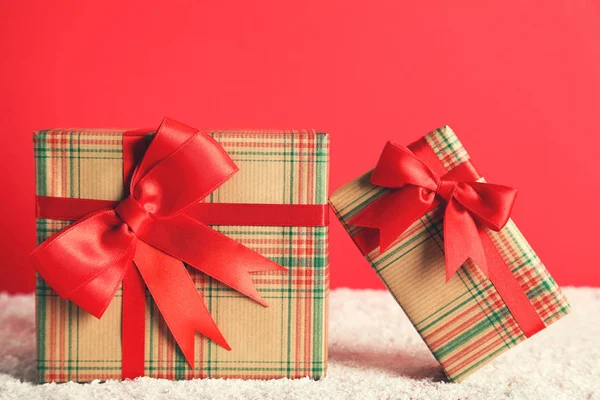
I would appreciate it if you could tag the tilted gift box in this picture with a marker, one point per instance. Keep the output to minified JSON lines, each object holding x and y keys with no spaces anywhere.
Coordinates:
{"x":286,"y":339}
{"x":465,"y":322}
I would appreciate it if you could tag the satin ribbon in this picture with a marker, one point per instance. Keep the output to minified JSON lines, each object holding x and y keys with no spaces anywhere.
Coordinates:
{"x":246,"y":214}
{"x":148,"y":236}
{"x":417,"y":184}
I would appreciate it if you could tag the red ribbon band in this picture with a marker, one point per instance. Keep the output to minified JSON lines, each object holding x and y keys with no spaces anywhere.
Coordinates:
{"x":143,"y":240}
{"x":418,"y":182}
{"x":246,"y":214}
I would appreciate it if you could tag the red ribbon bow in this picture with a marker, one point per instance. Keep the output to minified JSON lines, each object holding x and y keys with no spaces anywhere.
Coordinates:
{"x":87,"y":261}
{"x":416,"y":180}
{"x":471,"y":206}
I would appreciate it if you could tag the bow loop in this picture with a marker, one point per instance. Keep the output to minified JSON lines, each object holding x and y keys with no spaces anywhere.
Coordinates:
{"x":398,"y":166}
{"x":489,"y":204}
{"x":201,"y":166}
{"x":86,"y":262}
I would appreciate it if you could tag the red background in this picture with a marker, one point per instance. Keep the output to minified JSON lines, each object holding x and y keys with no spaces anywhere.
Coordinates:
{"x":518,"y":81}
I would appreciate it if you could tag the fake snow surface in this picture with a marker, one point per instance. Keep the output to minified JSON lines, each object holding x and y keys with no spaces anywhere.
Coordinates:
{"x":374,"y":353}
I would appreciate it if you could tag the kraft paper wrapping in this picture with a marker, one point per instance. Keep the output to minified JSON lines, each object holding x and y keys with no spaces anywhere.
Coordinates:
{"x":464,"y":322}
{"x":287,"y":339}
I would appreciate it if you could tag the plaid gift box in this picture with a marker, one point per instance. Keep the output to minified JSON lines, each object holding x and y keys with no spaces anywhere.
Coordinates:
{"x":287,"y":339}
{"x":464,"y":322}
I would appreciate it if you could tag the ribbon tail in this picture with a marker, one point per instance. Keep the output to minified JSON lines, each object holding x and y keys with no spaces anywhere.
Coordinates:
{"x":393,"y":213}
{"x":461,"y":239}
{"x":211,"y":252}
{"x":509,"y":288}
{"x":177,"y":299}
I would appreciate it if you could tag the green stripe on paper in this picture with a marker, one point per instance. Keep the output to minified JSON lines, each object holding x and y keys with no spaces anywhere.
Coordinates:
{"x":465,"y":337}
{"x":450,"y":145}
{"x":441,"y":317}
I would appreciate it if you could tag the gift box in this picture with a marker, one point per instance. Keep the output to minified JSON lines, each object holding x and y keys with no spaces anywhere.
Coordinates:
{"x":275,"y":205}
{"x":421,"y":218}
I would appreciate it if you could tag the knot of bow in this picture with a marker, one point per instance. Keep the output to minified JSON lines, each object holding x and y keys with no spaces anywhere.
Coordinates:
{"x":149,"y":230}
{"x":471,"y":206}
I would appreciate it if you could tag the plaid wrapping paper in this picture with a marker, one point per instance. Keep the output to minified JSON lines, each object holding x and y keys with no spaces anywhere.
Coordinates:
{"x":464,"y":322}
{"x":287,"y":339}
